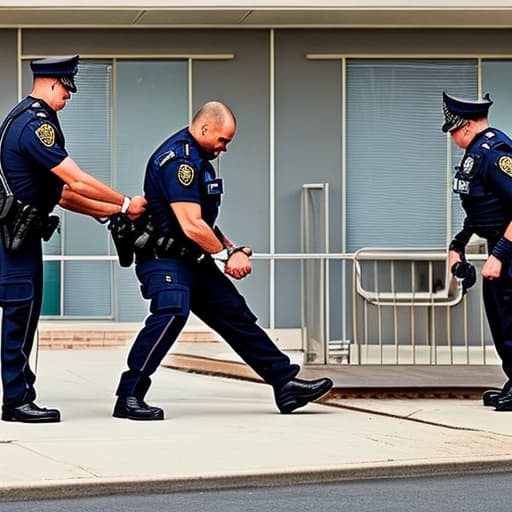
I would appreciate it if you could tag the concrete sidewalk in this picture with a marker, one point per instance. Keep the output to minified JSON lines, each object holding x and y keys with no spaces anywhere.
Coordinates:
{"x":221,"y":432}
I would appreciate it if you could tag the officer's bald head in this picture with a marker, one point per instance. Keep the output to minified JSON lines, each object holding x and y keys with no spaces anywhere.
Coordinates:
{"x":214,"y":112}
{"x":213,"y":127}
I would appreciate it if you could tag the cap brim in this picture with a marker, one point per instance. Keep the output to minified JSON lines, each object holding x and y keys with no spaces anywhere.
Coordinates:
{"x":446,"y":127}
{"x":68,"y":82}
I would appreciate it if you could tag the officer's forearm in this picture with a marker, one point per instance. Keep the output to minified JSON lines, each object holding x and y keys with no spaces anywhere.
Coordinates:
{"x":191,"y":221}
{"x":508,"y":232}
{"x":503,"y":247}
{"x":77,"y":203}
{"x":201,"y":233}
{"x":84,"y":184}
{"x":461,"y":239}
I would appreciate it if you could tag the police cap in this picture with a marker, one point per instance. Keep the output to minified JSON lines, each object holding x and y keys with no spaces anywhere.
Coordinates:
{"x":457,"y":112}
{"x":62,"y":68}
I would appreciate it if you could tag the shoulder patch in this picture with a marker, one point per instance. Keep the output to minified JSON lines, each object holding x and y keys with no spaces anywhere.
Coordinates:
{"x":467,"y":164}
{"x":505,"y":164}
{"x":167,"y":157}
{"x":46,"y":134}
{"x":186,"y":174}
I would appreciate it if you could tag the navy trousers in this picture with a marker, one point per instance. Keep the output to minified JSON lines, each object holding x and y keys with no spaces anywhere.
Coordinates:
{"x":21,"y":288}
{"x":497,"y":294}
{"x":175,"y":288}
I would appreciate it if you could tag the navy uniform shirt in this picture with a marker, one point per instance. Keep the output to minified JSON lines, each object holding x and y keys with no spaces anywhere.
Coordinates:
{"x":484,"y":181}
{"x":32,"y":145}
{"x":180,"y":171}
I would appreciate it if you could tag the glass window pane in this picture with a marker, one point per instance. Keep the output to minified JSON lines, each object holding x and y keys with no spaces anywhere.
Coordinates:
{"x":151,"y":104}
{"x":88,"y":288}
{"x":51,"y":290}
{"x":396,"y":152}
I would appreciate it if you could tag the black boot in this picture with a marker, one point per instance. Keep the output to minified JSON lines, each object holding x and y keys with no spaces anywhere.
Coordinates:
{"x":30,"y":413}
{"x":297,"y":393}
{"x":491,"y":396}
{"x":134,"y":408}
{"x":504,"y":401}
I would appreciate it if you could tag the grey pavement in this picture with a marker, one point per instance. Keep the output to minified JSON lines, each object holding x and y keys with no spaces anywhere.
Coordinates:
{"x":225,"y":433}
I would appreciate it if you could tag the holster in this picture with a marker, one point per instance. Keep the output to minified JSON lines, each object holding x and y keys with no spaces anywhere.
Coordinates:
{"x":6,"y":202}
{"x":121,"y":229}
{"x":22,"y":220}
{"x":49,"y":227}
{"x":131,"y":237}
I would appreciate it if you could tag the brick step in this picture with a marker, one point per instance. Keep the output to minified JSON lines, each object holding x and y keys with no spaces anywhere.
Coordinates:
{"x":82,"y":335}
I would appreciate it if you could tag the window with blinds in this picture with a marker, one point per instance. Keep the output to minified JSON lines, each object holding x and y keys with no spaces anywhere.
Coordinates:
{"x":396,"y":163}
{"x":110,"y":130}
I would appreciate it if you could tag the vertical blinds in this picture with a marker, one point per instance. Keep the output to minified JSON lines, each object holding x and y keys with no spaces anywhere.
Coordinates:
{"x":86,"y":123}
{"x":396,"y":152}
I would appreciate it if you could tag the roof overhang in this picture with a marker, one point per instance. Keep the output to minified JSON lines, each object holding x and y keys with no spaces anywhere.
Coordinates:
{"x":257,"y":13}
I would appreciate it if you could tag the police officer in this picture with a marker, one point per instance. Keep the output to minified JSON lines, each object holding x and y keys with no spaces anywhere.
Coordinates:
{"x":484,"y":183}
{"x":181,"y":275}
{"x":36,"y":174}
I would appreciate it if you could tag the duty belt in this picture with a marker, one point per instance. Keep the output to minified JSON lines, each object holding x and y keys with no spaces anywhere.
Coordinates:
{"x":170,"y":248}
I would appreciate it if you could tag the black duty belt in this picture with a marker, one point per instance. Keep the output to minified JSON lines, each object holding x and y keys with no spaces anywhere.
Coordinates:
{"x":175,"y":251}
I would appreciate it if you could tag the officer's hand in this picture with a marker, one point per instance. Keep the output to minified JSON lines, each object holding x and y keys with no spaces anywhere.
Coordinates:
{"x":465,"y":271}
{"x":453,"y":257}
{"x":238,"y":265}
{"x":137,"y":207}
{"x":492,"y":268}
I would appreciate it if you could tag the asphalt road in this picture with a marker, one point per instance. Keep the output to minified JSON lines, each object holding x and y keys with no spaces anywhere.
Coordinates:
{"x":475,"y":493}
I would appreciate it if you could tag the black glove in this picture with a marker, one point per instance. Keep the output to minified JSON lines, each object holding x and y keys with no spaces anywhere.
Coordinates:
{"x":465,"y":271}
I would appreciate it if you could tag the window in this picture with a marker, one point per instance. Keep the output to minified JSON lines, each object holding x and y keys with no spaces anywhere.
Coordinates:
{"x":396,"y":153}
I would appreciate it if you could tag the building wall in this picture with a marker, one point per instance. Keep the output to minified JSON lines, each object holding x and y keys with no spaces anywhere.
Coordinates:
{"x":288,"y":89}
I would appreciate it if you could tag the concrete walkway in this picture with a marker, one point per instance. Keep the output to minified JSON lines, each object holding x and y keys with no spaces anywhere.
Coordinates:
{"x":222,"y":432}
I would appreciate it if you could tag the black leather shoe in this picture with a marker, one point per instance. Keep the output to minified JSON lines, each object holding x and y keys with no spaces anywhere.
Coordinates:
{"x":297,"y":393}
{"x":135,"y":408}
{"x":490,"y":397}
{"x":30,"y":413}
{"x":504,"y":401}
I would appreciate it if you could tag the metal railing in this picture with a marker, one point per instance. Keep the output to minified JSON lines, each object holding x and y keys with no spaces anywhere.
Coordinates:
{"x":407,"y":309}
{"x":398,"y":306}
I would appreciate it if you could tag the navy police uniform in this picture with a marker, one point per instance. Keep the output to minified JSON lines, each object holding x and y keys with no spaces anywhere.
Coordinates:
{"x":484,"y":183}
{"x":177,"y":277}
{"x":32,"y":143}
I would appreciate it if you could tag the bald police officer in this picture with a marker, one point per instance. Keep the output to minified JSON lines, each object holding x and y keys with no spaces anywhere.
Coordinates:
{"x":484,"y":183}
{"x":180,"y":273}
{"x":36,"y":174}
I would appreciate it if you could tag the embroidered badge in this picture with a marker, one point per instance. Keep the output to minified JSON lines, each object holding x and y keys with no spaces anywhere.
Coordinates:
{"x":46,"y":134}
{"x":461,"y":186}
{"x":505,"y":164}
{"x":186,"y":175}
{"x":468,"y":164}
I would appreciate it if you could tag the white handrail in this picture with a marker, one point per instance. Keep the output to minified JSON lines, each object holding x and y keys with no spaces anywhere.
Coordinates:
{"x":449,"y":295}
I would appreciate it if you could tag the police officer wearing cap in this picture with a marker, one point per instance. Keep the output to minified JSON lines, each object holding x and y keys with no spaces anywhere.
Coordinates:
{"x":484,"y":182}
{"x":181,"y":274}
{"x":36,"y":174}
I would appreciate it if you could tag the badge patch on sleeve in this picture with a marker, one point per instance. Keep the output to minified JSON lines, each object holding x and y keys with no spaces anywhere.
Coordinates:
{"x":186,"y":175}
{"x":46,"y":134}
{"x":505,"y":164}
{"x":468,"y":164}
